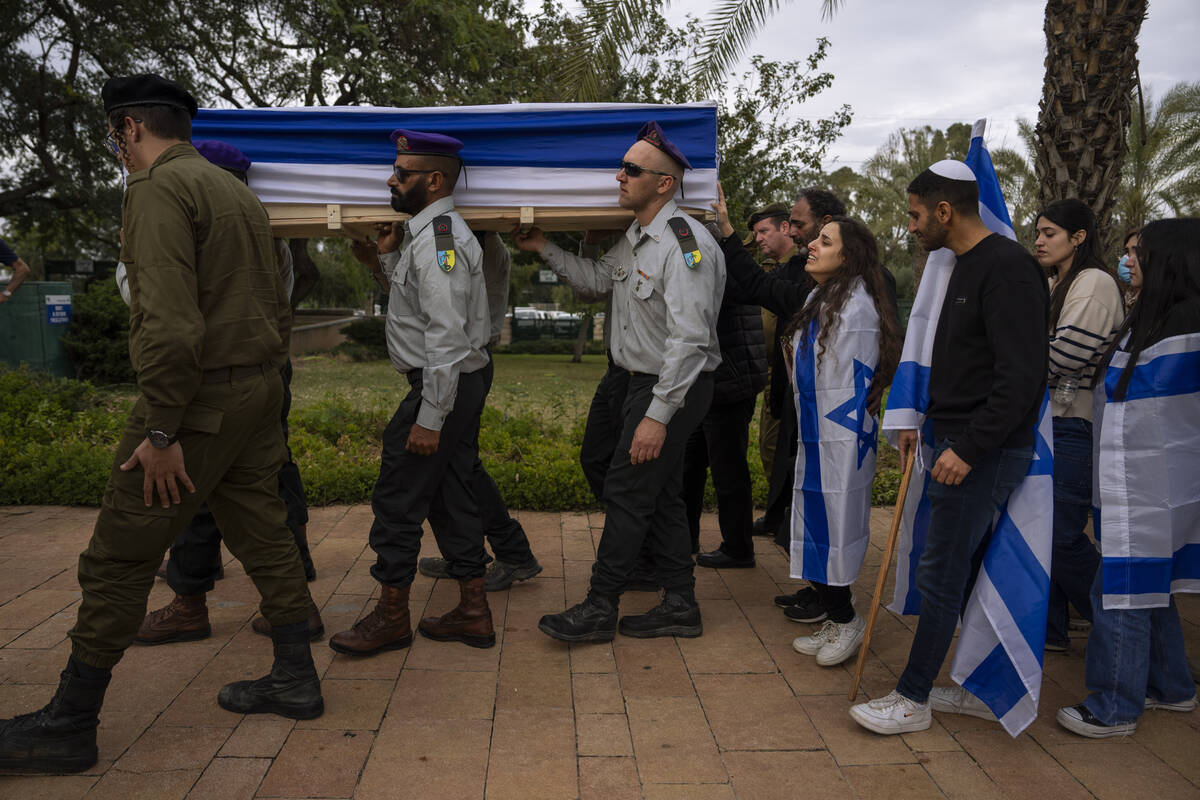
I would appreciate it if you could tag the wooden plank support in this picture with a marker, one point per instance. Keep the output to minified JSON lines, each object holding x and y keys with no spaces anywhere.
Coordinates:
{"x":526,"y":217}
{"x":333,"y":216}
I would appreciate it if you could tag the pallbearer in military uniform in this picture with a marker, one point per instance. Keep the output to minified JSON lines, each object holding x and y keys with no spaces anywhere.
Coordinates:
{"x":666,"y":275}
{"x":437,"y":332}
{"x":209,"y":325}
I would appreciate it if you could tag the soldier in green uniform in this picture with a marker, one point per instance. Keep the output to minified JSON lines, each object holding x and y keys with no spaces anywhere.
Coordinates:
{"x":209,"y":322}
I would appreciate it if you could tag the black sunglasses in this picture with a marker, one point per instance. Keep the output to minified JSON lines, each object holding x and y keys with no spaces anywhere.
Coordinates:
{"x":402,"y":173}
{"x":635,"y":170}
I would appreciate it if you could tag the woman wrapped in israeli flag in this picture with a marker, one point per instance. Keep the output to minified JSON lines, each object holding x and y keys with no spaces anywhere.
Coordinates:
{"x":844,"y":338}
{"x":1147,"y":487}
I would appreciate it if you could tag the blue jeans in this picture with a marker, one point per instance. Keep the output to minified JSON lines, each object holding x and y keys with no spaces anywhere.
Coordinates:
{"x":960,"y":522}
{"x":1133,"y":654}
{"x":1074,"y":558}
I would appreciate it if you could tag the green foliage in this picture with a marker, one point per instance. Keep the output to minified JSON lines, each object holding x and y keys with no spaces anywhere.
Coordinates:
{"x":368,"y":339}
{"x":97,"y":339}
{"x":60,"y":437}
{"x":1161,"y":176}
{"x":343,"y":282}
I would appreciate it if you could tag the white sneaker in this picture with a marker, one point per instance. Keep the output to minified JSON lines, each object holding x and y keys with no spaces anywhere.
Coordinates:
{"x":957,"y":700}
{"x":843,"y":642}
{"x":811,"y":645}
{"x":1162,"y":705}
{"x":892,"y":713}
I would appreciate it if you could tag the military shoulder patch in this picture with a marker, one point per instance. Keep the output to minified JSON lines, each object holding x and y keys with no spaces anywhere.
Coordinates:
{"x":443,"y":240}
{"x":687,"y":241}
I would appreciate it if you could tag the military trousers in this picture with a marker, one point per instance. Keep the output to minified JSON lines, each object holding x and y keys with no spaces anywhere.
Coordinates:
{"x":603,"y":428}
{"x":196,"y":552}
{"x":645,"y":501}
{"x":232,"y":448}
{"x":439,"y":487}
{"x":505,"y":535}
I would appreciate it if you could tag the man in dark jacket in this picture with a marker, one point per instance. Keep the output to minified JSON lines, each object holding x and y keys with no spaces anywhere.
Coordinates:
{"x":721,"y":440}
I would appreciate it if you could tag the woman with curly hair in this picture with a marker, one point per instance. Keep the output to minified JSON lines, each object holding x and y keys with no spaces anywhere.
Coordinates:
{"x":844,"y":338}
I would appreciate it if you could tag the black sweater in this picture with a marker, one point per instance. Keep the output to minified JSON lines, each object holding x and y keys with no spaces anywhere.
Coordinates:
{"x":989,"y":364}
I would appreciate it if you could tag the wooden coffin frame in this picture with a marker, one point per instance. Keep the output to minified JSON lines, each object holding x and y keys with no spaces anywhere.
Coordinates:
{"x":358,"y":221}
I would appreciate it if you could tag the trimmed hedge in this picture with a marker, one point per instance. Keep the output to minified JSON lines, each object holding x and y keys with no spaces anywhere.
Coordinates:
{"x":60,"y":434}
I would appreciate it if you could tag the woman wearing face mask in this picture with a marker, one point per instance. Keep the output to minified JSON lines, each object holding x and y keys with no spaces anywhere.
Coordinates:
{"x":1086,"y":308}
{"x":843,"y":339}
{"x":1132,"y":269}
{"x":1147,"y":490}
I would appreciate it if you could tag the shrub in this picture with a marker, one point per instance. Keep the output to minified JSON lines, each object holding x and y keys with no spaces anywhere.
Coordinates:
{"x":368,"y":336}
{"x":97,"y":338}
{"x":545,"y":347}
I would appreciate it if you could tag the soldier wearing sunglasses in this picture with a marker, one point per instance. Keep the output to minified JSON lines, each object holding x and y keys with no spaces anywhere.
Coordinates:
{"x":666,"y":276}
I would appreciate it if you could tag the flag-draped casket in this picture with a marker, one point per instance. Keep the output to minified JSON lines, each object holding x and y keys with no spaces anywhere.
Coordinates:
{"x":323,"y":171}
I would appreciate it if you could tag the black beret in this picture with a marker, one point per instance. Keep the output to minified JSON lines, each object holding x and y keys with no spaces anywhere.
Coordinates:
{"x":773,"y":211}
{"x":146,"y":90}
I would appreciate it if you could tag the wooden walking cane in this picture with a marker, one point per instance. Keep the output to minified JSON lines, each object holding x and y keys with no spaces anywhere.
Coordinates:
{"x":889,"y":551}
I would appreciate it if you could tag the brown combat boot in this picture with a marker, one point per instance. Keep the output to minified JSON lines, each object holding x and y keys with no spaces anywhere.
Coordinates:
{"x":385,"y":628}
{"x":185,"y":619}
{"x":316,"y":627}
{"x":470,"y":622}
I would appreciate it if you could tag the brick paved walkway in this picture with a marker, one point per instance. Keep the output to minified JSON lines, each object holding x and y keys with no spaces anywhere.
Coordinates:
{"x":735,"y":713}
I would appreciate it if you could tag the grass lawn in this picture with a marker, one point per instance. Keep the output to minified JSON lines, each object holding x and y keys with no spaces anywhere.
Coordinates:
{"x":550,"y":387}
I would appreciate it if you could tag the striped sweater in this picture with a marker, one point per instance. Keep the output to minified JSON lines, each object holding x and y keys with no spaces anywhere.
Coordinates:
{"x":1091,"y":314}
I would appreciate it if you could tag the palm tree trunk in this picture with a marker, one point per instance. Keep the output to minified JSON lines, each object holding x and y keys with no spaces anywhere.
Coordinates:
{"x":1091,"y":58}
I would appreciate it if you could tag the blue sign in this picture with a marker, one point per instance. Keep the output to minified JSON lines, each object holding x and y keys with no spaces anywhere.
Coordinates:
{"x":58,"y":309}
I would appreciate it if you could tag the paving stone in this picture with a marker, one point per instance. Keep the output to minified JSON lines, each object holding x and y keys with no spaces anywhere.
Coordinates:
{"x":48,"y":787}
{"x":597,"y":694}
{"x":959,"y":777}
{"x":688,"y":791}
{"x":651,"y":668}
{"x":1020,"y":767}
{"x":443,"y":694}
{"x":609,"y":779}
{"x":603,"y":735}
{"x":162,"y":748}
{"x":351,"y":705}
{"x":891,"y":782}
{"x":230,"y":779}
{"x":729,"y":644}
{"x":755,"y":712}
{"x":318,"y":764}
{"x":258,"y":736}
{"x":1121,"y":768}
{"x":767,"y":776}
{"x":445,"y":757}
{"x":533,"y":755}
{"x":672,"y":742}
{"x":166,"y":785}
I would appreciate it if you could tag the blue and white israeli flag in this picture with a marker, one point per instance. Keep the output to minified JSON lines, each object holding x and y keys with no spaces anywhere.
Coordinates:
{"x":838,"y":443}
{"x":999,"y":654}
{"x":519,"y":154}
{"x":1148,"y":475}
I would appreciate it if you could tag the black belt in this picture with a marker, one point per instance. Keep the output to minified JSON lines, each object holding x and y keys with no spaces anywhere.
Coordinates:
{"x":227,"y":374}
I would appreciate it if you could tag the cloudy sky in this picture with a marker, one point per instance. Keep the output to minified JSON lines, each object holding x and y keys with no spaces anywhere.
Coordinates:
{"x":915,"y":62}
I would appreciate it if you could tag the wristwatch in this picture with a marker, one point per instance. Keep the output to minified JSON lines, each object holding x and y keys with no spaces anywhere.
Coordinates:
{"x":160,"y":440}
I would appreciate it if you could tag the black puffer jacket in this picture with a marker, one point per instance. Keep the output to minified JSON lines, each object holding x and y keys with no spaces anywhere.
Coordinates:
{"x":743,"y":370}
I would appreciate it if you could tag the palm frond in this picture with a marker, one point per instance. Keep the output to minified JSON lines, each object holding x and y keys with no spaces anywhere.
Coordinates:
{"x":727,"y":32}
{"x":609,"y":26}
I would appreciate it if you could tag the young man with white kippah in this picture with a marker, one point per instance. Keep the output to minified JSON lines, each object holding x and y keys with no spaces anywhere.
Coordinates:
{"x":987,"y":381}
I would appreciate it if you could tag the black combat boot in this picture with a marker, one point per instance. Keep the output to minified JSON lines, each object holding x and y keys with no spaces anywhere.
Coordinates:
{"x":62,"y":736}
{"x":593,"y":620}
{"x":677,"y":615}
{"x":292,"y":689}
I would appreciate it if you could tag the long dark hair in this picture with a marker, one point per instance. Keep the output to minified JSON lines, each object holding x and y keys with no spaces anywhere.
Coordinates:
{"x":1169,"y":257}
{"x":860,"y":252}
{"x":1073,"y":216}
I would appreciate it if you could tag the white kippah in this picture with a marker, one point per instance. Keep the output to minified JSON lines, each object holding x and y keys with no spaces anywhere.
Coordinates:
{"x":954,"y":170}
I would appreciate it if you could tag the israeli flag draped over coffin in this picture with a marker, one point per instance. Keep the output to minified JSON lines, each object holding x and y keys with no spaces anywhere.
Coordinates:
{"x":1000,"y":644}
{"x":532,"y":154}
{"x":1148,"y":475}
{"x":838,"y":442}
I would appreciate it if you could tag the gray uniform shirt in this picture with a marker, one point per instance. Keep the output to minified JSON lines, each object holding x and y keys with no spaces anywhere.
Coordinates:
{"x":664,"y":313}
{"x":437,"y":318}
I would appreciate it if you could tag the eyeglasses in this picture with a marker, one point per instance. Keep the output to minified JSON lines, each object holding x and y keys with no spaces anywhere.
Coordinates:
{"x":110,"y":140}
{"x":636,"y":170}
{"x":402,"y":174}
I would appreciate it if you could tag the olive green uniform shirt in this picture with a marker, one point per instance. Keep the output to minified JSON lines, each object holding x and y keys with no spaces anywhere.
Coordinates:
{"x":204,"y":283}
